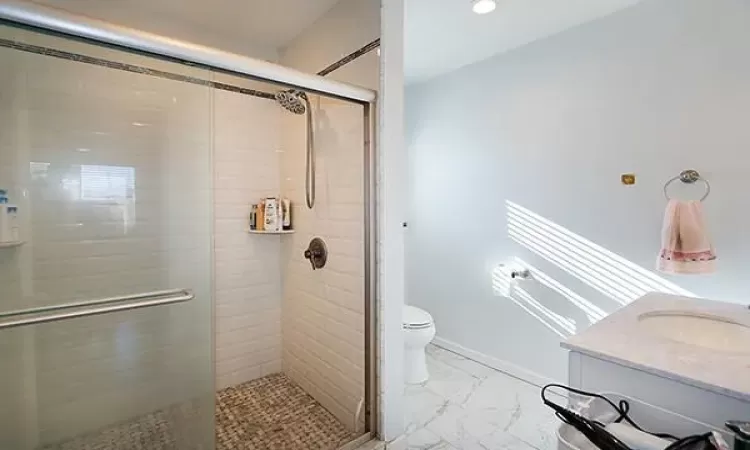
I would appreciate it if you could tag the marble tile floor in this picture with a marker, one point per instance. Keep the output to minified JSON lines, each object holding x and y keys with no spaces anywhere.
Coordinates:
{"x":468,"y":406}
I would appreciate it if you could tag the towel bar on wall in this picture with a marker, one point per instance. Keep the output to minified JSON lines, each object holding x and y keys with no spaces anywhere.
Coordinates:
{"x":689,"y":176}
{"x":55,"y":313}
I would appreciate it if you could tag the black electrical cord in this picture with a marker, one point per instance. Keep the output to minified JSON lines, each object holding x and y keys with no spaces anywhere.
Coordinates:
{"x":599,"y":436}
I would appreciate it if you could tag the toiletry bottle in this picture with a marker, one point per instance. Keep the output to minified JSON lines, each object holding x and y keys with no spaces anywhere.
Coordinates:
{"x":286,"y":208}
{"x":5,"y":233}
{"x":15,"y":231}
{"x":253,"y":213}
{"x":272,"y":222}
{"x":260,"y":216}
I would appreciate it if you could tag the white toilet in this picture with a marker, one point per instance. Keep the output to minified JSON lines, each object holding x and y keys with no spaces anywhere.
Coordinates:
{"x":419,"y":330}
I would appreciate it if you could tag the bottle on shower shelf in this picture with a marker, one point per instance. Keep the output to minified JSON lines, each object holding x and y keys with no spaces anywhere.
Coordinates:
{"x":9,"y":229}
{"x":253,"y":216}
{"x":286,"y":213}
{"x":260,"y":216}
{"x":272,"y":215}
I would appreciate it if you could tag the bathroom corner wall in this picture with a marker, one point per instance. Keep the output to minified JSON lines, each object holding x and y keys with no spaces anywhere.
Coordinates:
{"x":345,"y":28}
{"x":391,"y":211}
{"x":247,"y":266}
{"x":323,"y":310}
{"x":531,"y":144}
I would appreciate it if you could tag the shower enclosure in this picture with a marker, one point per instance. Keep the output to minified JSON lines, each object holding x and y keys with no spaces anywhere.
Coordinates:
{"x":136,"y":308}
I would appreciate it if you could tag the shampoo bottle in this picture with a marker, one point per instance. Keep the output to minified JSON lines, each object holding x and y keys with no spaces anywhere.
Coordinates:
{"x":15,"y":230}
{"x":272,"y":215}
{"x":253,"y":214}
{"x":260,"y":216}
{"x":286,"y":213}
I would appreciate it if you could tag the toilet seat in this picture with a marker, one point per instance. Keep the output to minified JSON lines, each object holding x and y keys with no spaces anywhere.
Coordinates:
{"x":415,"y":318}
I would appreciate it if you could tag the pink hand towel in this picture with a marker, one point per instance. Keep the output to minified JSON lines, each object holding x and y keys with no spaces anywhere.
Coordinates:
{"x":685,"y":246}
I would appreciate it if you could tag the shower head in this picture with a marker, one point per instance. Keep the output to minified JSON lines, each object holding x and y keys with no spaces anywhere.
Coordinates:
{"x":293,"y":101}
{"x":297,"y":102}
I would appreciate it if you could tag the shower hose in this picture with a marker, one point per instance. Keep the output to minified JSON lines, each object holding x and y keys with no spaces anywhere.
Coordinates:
{"x":310,"y":159}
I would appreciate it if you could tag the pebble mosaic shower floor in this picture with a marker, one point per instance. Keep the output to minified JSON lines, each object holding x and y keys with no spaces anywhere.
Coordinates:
{"x":270,"y":413}
{"x":274,"y":413}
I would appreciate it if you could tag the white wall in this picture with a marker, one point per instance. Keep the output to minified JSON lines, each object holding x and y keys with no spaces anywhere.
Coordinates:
{"x":549,"y":127}
{"x":345,"y":28}
{"x":391,"y":187}
{"x":247,"y":269}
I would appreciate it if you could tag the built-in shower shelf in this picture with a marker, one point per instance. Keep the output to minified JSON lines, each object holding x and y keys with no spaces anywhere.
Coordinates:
{"x":11,"y":244}
{"x":270,"y":232}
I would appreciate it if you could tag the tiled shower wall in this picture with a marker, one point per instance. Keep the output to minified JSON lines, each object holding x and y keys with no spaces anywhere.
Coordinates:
{"x":247,"y":266}
{"x":323,"y":310}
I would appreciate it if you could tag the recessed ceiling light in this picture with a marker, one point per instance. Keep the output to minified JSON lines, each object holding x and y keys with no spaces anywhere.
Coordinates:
{"x":84,"y":150}
{"x":483,"y":6}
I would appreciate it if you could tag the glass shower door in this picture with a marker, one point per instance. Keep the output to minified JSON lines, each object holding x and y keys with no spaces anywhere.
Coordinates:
{"x":105,"y":294}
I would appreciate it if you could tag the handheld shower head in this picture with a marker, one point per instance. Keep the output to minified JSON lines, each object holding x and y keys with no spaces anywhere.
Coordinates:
{"x":293,"y":101}
{"x":297,"y":102}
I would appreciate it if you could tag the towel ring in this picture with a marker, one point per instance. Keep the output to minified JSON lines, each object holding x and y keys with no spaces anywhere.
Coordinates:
{"x":689,"y":177}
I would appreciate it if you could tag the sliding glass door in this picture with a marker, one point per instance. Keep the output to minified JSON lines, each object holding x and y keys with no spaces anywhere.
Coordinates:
{"x":105,"y":277}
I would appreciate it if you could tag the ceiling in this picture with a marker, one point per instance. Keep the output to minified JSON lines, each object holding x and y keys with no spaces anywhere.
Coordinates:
{"x":440,"y":35}
{"x":252,"y":27}
{"x":444,"y":35}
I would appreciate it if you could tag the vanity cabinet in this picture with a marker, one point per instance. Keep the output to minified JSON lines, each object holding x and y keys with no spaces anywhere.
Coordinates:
{"x":687,"y":355}
{"x":599,"y":375}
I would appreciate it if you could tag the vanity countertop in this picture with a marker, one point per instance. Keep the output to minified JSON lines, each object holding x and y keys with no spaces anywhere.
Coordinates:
{"x":621,"y":338}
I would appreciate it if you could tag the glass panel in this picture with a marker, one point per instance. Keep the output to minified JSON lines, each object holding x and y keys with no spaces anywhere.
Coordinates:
{"x":109,"y":163}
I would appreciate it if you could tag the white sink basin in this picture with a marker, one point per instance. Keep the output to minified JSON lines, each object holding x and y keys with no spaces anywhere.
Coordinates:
{"x":702,"y":330}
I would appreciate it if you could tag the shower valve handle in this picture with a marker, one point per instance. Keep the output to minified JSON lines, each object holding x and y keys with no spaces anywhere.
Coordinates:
{"x":309,"y":255}
{"x":317,"y":253}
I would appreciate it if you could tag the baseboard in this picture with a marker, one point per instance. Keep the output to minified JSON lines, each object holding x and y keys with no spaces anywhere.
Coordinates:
{"x":495,"y":363}
{"x":364,"y":442}
{"x":400,"y":443}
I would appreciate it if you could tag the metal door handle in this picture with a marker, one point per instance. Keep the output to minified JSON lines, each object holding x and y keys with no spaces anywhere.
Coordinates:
{"x":93,"y":307}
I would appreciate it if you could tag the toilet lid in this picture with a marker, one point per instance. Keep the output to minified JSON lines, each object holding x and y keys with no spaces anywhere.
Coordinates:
{"x":415,"y":317}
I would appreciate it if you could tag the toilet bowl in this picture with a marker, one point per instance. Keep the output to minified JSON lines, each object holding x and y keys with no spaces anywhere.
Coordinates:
{"x":419,"y":330}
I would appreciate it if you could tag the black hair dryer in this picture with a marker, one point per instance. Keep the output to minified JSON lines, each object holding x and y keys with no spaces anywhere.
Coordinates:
{"x":741,"y":430}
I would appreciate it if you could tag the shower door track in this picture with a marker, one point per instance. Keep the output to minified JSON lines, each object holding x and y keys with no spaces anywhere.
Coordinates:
{"x":59,"y":21}
{"x":87,"y":29}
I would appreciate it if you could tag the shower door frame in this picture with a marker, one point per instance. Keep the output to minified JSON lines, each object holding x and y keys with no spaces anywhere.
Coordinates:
{"x":91,"y":30}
